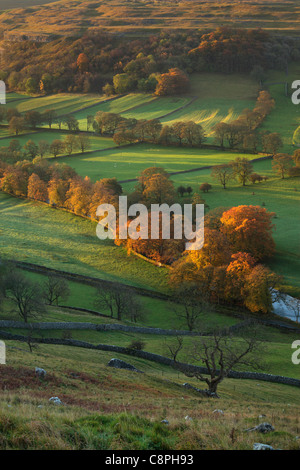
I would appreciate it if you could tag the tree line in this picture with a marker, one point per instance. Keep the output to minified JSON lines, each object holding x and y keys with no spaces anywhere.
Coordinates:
{"x":83,"y":64}
{"x":239,"y":134}
{"x":15,"y":152}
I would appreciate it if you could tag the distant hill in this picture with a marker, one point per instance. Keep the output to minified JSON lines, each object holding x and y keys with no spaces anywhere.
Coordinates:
{"x":5,"y":4}
{"x":136,"y":16}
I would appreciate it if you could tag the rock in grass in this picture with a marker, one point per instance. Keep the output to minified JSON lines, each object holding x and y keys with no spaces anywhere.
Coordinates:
{"x":55,"y":401}
{"x":259,"y":446}
{"x":118,"y":364}
{"x":188,"y":418}
{"x":219,"y":412}
{"x":165,"y":421}
{"x":40,"y":372}
{"x":264,"y":428}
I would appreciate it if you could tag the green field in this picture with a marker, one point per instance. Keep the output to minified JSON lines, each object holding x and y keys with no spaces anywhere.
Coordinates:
{"x":285,"y":118}
{"x":63,"y":103}
{"x":157,"y":107}
{"x":209,"y":112}
{"x":13,"y":96}
{"x":158,"y":313}
{"x":109,"y":106}
{"x":127,"y":163}
{"x":36,"y":233}
{"x":96,"y":142}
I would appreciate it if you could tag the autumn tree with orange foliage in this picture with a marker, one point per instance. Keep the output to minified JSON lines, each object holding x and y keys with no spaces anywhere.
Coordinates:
{"x":249,"y":229}
{"x":83,"y":62}
{"x":78,"y":197}
{"x":259,"y":285}
{"x":161,"y":250}
{"x":155,"y":187}
{"x":57,"y":189}
{"x":37,"y":188}
{"x":174,"y":82}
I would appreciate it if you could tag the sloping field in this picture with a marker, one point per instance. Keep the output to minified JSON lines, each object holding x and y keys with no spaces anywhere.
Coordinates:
{"x":12,"y":96}
{"x":62,"y":103}
{"x":36,"y":233}
{"x":96,"y":142}
{"x":121,"y":104}
{"x":157,"y":108}
{"x":101,"y":406}
{"x":128,"y":162}
{"x":285,"y":118}
{"x":209,"y":112}
{"x":113,"y":106}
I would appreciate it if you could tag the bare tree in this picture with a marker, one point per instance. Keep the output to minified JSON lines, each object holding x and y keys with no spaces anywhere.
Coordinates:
{"x":119,"y":300}
{"x":55,"y":288}
{"x":174,"y":348}
{"x":218,"y":355}
{"x":31,"y":342}
{"x":191,"y":306}
{"x":26,"y":296}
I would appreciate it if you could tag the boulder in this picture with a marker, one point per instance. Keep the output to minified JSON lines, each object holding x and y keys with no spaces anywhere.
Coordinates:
{"x":259,"y":446}
{"x":40,"y":372}
{"x":264,"y":428}
{"x":219,"y":412}
{"x":205,"y":393}
{"x":118,"y":364}
{"x":55,"y":401}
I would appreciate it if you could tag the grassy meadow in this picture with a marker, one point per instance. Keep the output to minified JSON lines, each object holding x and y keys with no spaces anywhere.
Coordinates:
{"x":285,"y":117}
{"x":106,"y":408}
{"x":35,"y":233}
{"x":95,"y":142}
{"x":113,"y":409}
{"x":64,"y":103}
{"x":128,"y":162}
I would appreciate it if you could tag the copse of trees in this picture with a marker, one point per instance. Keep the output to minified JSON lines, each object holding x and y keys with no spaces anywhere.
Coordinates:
{"x":119,"y":301}
{"x":241,"y":170}
{"x":18,"y":123}
{"x":126,"y":131}
{"x":239,"y":134}
{"x":229,"y":269}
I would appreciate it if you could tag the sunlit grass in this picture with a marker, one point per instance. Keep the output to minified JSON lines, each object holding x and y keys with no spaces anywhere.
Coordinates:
{"x":36,"y":233}
{"x":127,"y":163}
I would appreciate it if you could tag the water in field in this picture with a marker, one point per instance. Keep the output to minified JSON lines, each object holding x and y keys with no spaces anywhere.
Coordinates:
{"x":286,"y":306}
